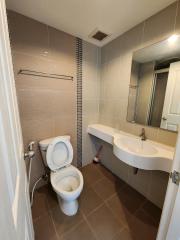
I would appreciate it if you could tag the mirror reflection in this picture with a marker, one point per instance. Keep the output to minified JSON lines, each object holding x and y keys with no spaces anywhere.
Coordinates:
{"x":154,"y":91}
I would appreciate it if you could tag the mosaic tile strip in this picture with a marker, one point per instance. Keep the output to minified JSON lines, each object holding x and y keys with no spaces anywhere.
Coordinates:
{"x":79,"y":52}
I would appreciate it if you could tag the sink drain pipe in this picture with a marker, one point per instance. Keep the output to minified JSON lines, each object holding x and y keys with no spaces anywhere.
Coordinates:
{"x":135,"y":170}
{"x":96,"y":159}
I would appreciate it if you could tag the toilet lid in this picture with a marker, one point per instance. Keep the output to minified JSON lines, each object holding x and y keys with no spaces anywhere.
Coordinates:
{"x":59,"y":153}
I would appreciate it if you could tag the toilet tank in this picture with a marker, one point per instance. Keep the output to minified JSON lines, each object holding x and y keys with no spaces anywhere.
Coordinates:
{"x":43,"y":144}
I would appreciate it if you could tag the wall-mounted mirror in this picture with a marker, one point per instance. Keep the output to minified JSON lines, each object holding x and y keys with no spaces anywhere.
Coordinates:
{"x":154,"y":91}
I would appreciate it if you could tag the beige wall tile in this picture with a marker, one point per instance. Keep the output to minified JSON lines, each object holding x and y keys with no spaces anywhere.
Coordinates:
{"x":177,"y":24}
{"x":166,"y":137}
{"x":110,"y":108}
{"x":22,"y":60}
{"x":160,"y":26}
{"x":116,"y":68}
{"x":158,"y":187}
{"x":91,"y":74}
{"x":89,"y":143}
{"x":111,"y":51}
{"x":62,"y":46}
{"x":131,"y":40}
{"x":27,"y":35}
{"x":63,"y":103}
{"x":47,"y":106}
{"x":140,"y":181}
{"x":90,"y":98}
{"x":35,"y":104}
{"x":64,"y":126}
{"x":90,"y":147}
{"x":90,"y":107}
{"x":35,"y":130}
{"x":36,"y":63}
{"x":116,"y":61}
{"x":114,"y":164}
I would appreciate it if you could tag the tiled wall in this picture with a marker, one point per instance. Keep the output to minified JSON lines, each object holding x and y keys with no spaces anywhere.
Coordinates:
{"x":115,"y":78}
{"x":91,"y":94}
{"x":116,"y":67}
{"x":47,"y":106}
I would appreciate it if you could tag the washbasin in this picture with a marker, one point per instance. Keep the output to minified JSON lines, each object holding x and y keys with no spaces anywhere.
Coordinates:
{"x":146,"y":155}
{"x":128,"y":148}
{"x":136,"y":145}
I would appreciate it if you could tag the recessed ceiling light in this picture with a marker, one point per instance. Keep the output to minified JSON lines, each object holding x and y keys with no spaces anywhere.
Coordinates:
{"x":173,"y":38}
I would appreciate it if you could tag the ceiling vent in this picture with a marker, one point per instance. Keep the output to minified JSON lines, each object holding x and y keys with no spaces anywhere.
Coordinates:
{"x":99,"y":35}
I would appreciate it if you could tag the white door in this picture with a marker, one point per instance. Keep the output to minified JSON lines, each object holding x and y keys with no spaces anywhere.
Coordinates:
{"x":169,"y":228}
{"x":174,"y":227}
{"x":173,"y":232}
{"x":171,"y":110}
{"x":15,"y":212}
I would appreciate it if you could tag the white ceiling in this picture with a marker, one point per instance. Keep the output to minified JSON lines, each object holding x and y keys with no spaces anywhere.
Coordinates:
{"x":81,"y":17}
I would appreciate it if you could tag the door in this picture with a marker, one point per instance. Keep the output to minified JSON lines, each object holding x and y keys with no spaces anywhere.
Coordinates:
{"x":171,"y":109}
{"x":169,"y":228}
{"x":174,"y":227}
{"x":15,"y":213}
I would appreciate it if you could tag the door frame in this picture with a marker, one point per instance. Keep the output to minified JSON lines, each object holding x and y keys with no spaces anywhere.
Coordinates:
{"x":14,"y":155}
{"x":7,"y":77}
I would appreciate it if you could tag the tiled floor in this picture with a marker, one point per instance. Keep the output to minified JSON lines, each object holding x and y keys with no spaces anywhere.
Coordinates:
{"x":109,"y":210}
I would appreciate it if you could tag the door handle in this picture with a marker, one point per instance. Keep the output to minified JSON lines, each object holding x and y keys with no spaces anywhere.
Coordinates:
{"x":164,"y":119}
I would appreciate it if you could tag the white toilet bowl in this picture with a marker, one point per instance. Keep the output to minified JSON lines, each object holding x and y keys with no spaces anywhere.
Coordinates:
{"x":66,"y":180}
{"x":68,"y":184}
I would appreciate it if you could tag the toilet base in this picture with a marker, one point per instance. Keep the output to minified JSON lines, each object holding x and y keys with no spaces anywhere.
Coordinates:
{"x":69,"y":208}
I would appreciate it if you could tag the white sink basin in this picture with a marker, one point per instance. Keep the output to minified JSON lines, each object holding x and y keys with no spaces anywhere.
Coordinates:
{"x":136,"y":145}
{"x":148,"y":155}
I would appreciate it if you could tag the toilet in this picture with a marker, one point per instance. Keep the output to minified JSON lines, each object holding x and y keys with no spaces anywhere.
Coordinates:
{"x":66,"y":180}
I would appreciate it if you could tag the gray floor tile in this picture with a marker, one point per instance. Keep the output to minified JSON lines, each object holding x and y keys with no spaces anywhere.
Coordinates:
{"x":81,"y":232}
{"x":107,"y":203}
{"x":64,"y":223}
{"x":40,"y":205}
{"x":44,"y":228}
{"x":104,"y":223}
{"x":89,"y":200}
{"x":142,"y":227}
{"x":105,"y":188}
{"x":91,"y":174}
{"x":123,"y":235}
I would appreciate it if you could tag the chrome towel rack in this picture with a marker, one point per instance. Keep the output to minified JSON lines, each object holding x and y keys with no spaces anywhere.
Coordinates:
{"x":43,"y":74}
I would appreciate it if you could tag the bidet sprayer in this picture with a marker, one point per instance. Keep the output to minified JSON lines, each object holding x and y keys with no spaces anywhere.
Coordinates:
{"x":31,"y":145}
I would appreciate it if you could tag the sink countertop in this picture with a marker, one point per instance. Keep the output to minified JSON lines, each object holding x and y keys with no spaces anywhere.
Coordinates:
{"x":127,"y":147}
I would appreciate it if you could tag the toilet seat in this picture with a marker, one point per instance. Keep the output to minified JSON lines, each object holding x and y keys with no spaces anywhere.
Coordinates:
{"x":59,"y":153}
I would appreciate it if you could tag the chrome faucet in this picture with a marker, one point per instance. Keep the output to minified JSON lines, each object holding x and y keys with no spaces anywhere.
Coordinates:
{"x":143,"y":135}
